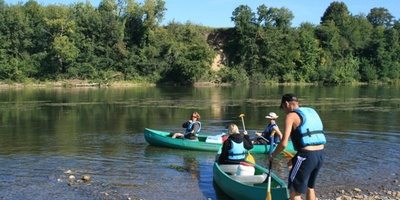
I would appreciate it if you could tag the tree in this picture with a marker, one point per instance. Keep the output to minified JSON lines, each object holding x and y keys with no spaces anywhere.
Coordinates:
{"x":308,"y":59}
{"x":380,"y":17}
{"x":338,"y":13}
{"x":59,"y":25}
{"x":189,"y":56}
{"x":243,"y":50}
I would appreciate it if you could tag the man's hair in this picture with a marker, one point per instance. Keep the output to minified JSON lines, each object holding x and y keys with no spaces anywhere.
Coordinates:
{"x":289,"y":97}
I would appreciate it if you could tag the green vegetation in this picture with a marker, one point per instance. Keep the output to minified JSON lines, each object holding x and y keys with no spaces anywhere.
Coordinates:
{"x":122,"y":40}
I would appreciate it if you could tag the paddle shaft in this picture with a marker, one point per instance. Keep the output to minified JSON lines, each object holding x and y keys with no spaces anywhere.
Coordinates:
{"x":269,"y":196}
{"x":244,"y":128}
{"x":288,"y":154}
{"x":249,"y":158}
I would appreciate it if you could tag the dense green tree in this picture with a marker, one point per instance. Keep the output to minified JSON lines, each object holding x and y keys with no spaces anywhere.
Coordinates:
{"x":274,"y":17}
{"x":189,"y":56}
{"x":380,"y":17}
{"x":393,"y":51}
{"x":396,"y":25}
{"x":243,"y":50}
{"x":358,"y":34}
{"x":59,"y":26}
{"x":308,"y":54}
{"x":338,"y":13}
{"x":377,"y":53}
{"x":16,"y":35}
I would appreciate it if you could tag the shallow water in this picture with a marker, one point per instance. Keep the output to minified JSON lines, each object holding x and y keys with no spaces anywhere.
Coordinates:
{"x":99,"y":132}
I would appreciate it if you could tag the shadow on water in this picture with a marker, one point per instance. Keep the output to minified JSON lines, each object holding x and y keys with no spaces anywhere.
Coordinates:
{"x":220,"y":193}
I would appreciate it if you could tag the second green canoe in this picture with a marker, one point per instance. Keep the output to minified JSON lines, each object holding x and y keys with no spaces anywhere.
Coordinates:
{"x":205,"y":143}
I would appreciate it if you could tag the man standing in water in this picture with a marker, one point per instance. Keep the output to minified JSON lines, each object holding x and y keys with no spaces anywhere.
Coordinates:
{"x":304,"y":126}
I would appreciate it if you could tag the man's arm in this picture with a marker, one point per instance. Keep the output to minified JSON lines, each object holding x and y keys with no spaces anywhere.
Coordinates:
{"x":288,"y":124}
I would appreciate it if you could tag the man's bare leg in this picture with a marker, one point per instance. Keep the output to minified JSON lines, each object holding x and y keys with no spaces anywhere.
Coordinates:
{"x":310,"y":194}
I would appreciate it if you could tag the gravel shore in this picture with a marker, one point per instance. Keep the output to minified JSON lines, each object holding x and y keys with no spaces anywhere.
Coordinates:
{"x":389,"y":190}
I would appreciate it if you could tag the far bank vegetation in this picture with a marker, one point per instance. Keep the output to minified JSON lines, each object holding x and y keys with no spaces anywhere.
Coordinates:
{"x":124,"y":41}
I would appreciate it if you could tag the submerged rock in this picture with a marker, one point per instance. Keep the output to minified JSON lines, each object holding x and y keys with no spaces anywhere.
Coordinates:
{"x":86,"y":178}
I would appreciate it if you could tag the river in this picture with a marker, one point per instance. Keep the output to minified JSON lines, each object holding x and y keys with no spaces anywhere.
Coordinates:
{"x":50,"y":134}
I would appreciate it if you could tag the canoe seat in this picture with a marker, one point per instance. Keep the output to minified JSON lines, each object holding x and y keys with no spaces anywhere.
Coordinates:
{"x":229,"y":169}
{"x":254,"y":179}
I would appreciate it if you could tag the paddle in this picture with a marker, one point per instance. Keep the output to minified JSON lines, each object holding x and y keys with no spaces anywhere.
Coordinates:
{"x":287,"y":154}
{"x":269,"y":196}
{"x":241,"y":116}
{"x":249,"y":157}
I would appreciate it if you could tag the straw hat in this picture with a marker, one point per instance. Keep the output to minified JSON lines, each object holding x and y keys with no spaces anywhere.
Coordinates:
{"x":272,"y":115}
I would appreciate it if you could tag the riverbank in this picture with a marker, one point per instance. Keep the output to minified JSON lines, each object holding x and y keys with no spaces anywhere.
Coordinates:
{"x":384,"y":190}
{"x":72,"y":84}
{"x":357,"y":194}
{"x":84,"y":83}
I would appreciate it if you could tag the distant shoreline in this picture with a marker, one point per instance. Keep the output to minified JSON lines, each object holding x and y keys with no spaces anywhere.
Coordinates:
{"x":72,"y":84}
{"x":88,"y":84}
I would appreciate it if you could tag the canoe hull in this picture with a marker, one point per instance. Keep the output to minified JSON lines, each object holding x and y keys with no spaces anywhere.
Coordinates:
{"x":163,"y":139}
{"x":239,"y":190}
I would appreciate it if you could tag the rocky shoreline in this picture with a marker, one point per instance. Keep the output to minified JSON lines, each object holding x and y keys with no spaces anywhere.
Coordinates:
{"x":390,"y":190}
{"x":358,"y":194}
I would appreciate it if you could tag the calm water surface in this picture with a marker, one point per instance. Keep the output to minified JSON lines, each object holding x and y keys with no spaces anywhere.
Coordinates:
{"x":99,"y":132}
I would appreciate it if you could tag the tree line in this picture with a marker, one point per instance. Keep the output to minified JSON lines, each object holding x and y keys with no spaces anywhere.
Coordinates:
{"x":122,"y":40}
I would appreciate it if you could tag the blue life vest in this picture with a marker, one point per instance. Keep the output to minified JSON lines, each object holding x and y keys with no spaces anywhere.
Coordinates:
{"x":190,"y":128}
{"x":310,"y":132}
{"x":237,"y":152}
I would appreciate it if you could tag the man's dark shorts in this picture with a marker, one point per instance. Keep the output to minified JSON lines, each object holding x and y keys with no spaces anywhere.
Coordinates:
{"x":306,"y":165}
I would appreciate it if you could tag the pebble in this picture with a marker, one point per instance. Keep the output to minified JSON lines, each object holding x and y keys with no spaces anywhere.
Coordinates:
{"x":86,"y":178}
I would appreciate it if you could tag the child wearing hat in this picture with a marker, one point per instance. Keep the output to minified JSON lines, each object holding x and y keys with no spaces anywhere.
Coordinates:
{"x":272,"y":127}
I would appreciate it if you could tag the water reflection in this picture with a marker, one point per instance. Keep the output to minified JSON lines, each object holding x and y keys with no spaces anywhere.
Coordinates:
{"x":192,"y":165}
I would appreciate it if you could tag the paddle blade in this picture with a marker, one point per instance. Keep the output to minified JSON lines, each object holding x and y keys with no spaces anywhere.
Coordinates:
{"x":287,"y":154}
{"x":250,"y":158}
{"x":269,"y":196}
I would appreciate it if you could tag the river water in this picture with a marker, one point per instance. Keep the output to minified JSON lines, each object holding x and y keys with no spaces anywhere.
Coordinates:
{"x":50,"y":134}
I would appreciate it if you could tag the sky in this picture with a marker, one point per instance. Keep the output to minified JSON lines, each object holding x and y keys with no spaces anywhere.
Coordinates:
{"x":218,"y":13}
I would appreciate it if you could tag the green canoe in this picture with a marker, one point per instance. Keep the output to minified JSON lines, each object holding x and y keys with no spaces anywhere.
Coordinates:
{"x":205,"y":143}
{"x":249,"y":187}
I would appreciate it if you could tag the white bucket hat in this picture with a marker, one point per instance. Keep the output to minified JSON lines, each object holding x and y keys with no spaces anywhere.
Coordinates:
{"x":272,"y":115}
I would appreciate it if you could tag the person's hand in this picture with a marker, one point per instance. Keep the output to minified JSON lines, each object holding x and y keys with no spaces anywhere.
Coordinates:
{"x":244,"y":132}
{"x":270,"y":158}
{"x":190,"y":121}
{"x":289,"y":164}
{"x":257,"y":133}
